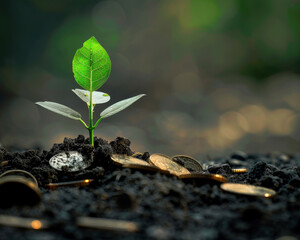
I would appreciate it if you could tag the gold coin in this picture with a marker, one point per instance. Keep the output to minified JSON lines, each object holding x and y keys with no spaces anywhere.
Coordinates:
{"x":165,"y":163}
{"x":204,"y":177}
{"x":145,"y":168}
{"x":188,"y":162}
{"x":121,"y":159}
{"x":247,"y":189}
{"x":239,"y":170}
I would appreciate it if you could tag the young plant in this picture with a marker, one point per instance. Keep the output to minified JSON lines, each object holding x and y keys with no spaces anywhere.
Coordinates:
{"x":91,"y":68}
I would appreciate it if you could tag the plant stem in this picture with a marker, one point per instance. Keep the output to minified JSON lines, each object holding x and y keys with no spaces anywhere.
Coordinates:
{"x":96,"y":124}
{"x":83,"y":123}
{"x":91,"y":127}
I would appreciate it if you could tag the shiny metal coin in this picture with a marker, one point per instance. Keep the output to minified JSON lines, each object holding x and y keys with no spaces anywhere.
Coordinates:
{"x":204,"y":178}
{"x":188,"y":162}
{"x":69,"y":161}
{"x":239,"y":170}
{"x":250,"y":190}
{"x":165,"y":163}
{"x":145,"y":168}
{"x":121,"y":159}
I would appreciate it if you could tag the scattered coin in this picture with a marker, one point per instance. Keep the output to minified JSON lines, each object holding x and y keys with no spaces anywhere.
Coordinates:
{"x":239,"y":170}
{"x":250,"y":190}
{"x":79,"y":183}
{"x":18,"y":187}
{"x":20,"y":222}
{"x":107,"y":224}
{"x":145,"y":168}
{"x":165,"y":163}
{"x":121,"y":159}
{"x":204,"y":178}
{"x":70,"y":161}
{"x":188,"y":162}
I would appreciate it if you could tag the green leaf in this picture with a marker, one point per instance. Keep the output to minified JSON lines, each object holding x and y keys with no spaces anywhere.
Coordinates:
{"x":119,"y":106}
{"x":60,"y":109}
{"x":98,"y":97}
{"x":91,"y":65}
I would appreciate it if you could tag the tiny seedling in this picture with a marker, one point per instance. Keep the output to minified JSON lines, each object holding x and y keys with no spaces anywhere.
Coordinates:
{"x":91,"y":68}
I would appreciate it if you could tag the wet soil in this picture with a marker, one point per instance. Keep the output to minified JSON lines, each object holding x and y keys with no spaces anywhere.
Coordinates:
{"x":165,"y":207}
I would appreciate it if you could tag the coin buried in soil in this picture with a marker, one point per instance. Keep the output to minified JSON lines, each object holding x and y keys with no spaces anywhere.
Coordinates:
{"x":165,"y":163}
{"x":250,"y":190}
{"x":188,"y":162}
{"x":71,"y":161}
{"x":121,"y":159}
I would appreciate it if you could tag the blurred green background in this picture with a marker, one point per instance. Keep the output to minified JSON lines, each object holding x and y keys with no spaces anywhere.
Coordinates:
{"x":219,"y":75}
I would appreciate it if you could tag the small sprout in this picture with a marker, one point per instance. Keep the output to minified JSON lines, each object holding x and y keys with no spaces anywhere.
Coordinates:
{"x":91,"y":68}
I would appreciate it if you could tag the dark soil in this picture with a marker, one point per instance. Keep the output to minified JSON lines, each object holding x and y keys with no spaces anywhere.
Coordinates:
{"x":165,"y":207}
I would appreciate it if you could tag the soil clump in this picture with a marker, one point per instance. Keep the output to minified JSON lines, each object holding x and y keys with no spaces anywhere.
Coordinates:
{"x":164,"y":206}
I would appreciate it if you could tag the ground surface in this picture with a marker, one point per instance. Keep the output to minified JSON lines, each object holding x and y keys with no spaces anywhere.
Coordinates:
{"x":164,"y":207}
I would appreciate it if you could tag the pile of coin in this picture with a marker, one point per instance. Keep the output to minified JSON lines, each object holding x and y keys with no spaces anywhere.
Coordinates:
{"x":189,"y":169}
{"x":181,"y":166}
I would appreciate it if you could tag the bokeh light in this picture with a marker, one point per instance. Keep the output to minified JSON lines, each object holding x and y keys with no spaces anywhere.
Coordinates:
{"x":219,"y":75}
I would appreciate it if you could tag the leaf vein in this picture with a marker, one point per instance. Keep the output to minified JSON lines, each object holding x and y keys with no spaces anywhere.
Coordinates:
{"x":77,"y":59}
{"x":83,"y":55}
{"x":81,"y":74}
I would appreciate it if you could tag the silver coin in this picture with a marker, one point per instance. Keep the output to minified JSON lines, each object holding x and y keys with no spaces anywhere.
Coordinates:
{"x":70,"y":161}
